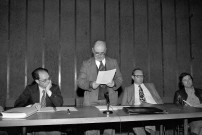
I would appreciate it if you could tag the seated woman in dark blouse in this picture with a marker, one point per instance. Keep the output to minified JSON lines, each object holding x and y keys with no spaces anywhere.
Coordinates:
{"x":188,"y":95}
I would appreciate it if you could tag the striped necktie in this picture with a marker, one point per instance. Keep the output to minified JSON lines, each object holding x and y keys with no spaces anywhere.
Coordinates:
{"x":102,"y":88}
{"x":141,"y":95}
{"x":43,"y":99}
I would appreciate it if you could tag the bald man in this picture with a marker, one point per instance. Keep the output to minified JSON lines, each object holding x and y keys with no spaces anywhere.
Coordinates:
{"x":94,"y":92}
{"x":88,"y":75}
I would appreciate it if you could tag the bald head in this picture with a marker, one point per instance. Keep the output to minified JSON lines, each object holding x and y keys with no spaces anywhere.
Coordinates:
{"x":99,"y":50}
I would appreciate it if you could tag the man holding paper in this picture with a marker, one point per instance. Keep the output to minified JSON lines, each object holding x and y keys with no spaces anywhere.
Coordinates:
{"x":100,"y":75}
{"x":88,"y":81}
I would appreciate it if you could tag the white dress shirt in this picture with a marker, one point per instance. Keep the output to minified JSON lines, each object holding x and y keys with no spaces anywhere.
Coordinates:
{"x":192,"y":99}
{"x":147,"y":94}
{"x":98,"y":63}
{"x":40,"y":93}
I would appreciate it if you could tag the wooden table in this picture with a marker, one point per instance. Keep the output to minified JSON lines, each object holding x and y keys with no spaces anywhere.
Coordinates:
{"x":91,"y":115}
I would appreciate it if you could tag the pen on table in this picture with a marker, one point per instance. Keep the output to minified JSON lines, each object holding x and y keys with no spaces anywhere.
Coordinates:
{"x":187,"y":102}
{"x":68,"y":111}
{"x":54,"y":108}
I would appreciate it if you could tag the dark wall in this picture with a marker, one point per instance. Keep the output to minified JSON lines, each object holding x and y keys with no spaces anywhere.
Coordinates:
{"x":163,"y":37}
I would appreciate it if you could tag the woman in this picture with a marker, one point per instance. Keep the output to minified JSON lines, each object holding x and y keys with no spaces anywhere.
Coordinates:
{"x":189,"y":96}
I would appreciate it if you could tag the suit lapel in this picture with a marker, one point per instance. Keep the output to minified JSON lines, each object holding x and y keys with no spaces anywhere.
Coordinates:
{"x":36,"y":93}
{"x":93,"y":69}
{"x":131,"y":95}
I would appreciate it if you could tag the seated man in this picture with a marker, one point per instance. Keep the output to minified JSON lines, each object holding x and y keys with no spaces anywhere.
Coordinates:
{"x":140,"y":93}
{"x":189,"y":95}
{"x":42,"y":91}
{"x":1,"y":110}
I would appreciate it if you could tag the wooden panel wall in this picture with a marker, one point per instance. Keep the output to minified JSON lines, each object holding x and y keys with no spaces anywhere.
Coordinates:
{"x":163,"y":37}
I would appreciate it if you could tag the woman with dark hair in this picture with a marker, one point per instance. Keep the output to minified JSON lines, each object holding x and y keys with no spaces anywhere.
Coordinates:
{"x":188,"y":95}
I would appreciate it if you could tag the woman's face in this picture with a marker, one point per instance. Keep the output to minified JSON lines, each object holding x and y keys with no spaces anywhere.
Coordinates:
{"x":187,"y":81}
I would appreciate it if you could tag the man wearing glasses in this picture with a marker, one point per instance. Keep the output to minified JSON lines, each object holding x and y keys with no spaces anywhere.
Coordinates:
{"x":42,"y":92}
{"x":141,"y":93}
{"x":94,"y":92}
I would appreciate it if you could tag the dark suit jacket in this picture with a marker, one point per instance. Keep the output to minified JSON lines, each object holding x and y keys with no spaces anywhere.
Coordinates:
{"x":31,"y":95}
{"x":181,"y":95}
{"x":88,"y":73}
{"x":129,"y":97}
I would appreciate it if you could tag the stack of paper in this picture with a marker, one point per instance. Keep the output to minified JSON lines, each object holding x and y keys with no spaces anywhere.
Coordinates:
{"x":21,"y":112}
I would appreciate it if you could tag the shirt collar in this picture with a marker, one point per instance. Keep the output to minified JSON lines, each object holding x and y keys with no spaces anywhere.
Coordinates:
{"x":98,"y":62}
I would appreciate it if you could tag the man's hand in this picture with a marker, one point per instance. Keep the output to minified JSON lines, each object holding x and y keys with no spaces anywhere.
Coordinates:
{"x":94,"y":85}
{"x":111,"y":84}
{"x":48,"y":91}
{"x":49,"y":86}
{"x":37,"y":106}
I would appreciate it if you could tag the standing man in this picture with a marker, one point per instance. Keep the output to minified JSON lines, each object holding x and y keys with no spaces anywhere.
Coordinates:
{"x":41,"y":91}
{"x":141,"y":93}
{"x":94,"y":92}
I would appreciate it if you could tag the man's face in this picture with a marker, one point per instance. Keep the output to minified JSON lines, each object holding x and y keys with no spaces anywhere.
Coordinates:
{"x":138,"y":77}
{"x":187,"y":81}
{"x":99,"y":50}
{"x":44,"y":79}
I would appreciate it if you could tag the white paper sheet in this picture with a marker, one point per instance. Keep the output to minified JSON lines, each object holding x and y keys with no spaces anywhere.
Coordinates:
{"x":54,"y":109}
{"x":104,"y":107}
{"x":105,"y":77}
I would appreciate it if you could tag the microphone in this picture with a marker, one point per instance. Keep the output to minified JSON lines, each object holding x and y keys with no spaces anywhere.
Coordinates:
{"x":106,"y":95}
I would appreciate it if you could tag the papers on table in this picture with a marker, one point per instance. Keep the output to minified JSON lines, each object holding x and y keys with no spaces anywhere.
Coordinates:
{"x":105,"y":77}
{"x":54,"y":109}
{"x":24,"y":112}
{"x":21,"y":112}
{"x":197,"y":106}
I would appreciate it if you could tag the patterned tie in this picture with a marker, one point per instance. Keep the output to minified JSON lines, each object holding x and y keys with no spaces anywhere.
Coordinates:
{"x":43,"y":99}
{"x":102,"y":88}
{"x":141,"y":95}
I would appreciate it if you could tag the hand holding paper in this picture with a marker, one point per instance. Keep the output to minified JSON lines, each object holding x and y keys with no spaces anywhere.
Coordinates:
{"x":105,"y":77}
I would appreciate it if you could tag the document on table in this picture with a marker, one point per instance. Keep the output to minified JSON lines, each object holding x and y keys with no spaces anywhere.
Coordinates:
{"x":105,"y":77}
{"x":54,"y":109}
{"x":104,"y":107}
{"x":197,"y":106}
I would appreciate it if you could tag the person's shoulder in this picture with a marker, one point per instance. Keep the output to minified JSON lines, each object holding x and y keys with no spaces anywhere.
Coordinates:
{"x":110,"y":59}
{"x":32,"y":85}
{"x":129,"y":87}
{"x":90,"y":60}
{"x":150,"y":84}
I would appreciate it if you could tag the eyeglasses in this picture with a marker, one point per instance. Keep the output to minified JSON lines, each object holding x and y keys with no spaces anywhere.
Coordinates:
{"x":45,"y":80}
{"x":139,"y":76}
{"x":99,"y":53}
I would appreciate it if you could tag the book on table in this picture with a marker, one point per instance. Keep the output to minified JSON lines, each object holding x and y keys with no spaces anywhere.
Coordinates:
{"x":20,"y":112}
{"x":142,"y":110}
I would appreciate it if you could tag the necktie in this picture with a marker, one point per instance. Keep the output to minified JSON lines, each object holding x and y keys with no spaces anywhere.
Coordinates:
{"x":141,"y":95}
{"x":43,"y":99}
{"x":102,"y":88}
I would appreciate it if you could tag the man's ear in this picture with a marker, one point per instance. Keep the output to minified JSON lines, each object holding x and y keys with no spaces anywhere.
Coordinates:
{"x":133,"y":77}
{"x":37,"y":81}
